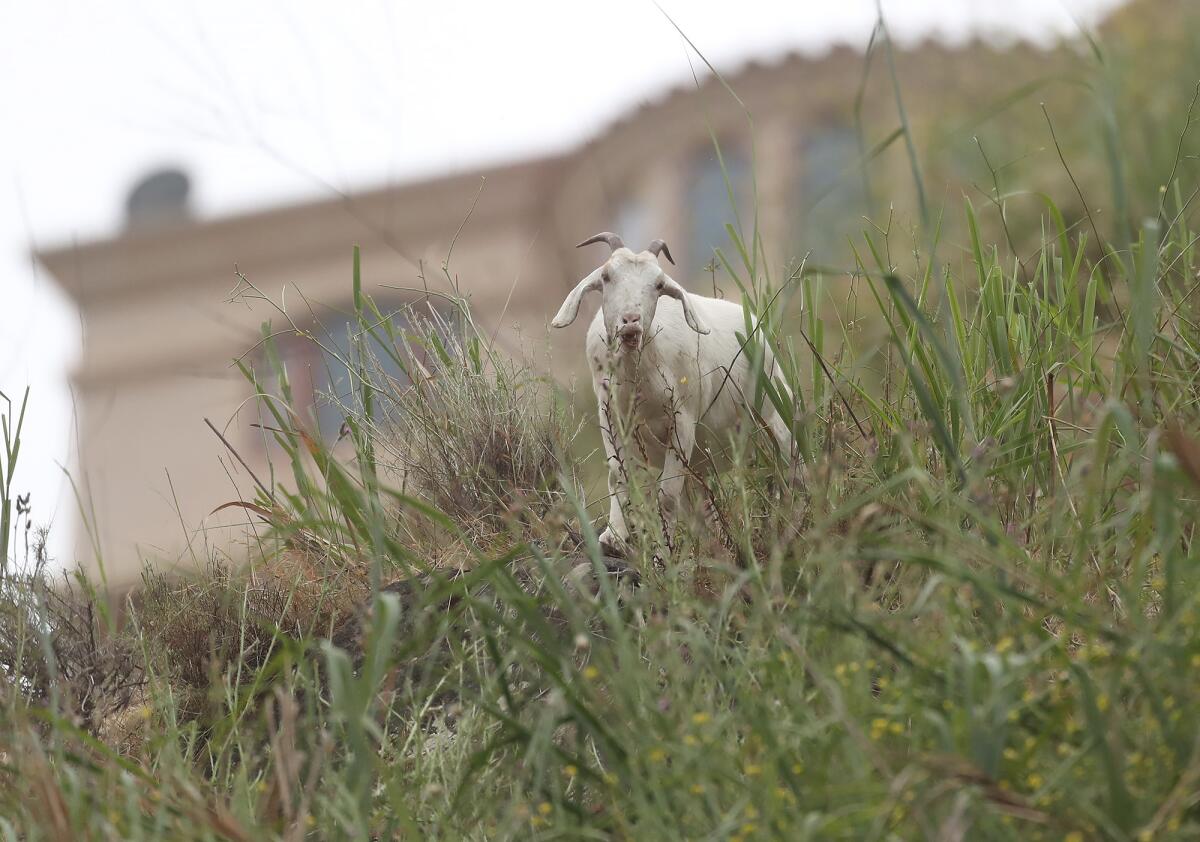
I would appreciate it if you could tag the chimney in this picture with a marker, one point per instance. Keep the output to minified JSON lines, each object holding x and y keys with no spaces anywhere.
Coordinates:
{"x":160,"y":198}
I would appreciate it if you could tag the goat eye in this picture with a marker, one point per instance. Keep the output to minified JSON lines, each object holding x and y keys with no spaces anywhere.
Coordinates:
{"x":658,"y":286}
{"x":604,"y":277}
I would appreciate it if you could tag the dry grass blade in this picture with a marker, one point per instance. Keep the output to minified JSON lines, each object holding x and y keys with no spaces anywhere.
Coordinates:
{"x":47,"y":800}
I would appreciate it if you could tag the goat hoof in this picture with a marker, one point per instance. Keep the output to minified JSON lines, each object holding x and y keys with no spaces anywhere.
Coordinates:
{"x":611,"y":544}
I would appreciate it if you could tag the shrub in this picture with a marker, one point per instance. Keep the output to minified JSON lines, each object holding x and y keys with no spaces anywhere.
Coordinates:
{"x":476,"y":435}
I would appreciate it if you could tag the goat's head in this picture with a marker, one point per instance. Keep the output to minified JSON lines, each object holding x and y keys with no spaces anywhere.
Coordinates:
{"x":630,"y":285}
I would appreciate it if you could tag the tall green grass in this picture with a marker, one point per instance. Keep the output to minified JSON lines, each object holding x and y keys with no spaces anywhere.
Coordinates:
{"x":965,"y":608}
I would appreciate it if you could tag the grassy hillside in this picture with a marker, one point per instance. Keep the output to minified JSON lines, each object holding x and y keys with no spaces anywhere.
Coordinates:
{"x":964,"y":608}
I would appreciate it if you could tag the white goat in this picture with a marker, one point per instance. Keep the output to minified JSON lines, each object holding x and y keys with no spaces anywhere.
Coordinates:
{"x":671,"y":357}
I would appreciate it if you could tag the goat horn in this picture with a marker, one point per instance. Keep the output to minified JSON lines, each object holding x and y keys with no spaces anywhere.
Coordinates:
{"x":614,"y":242}
{"x":660,"y":245}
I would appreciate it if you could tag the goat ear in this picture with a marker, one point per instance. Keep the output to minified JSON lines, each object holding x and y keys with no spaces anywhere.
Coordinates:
{"x":673,"y":289}
{"x":570,"y":307}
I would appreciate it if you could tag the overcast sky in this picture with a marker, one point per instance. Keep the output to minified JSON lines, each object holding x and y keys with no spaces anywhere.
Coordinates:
{"x":267,"y":102}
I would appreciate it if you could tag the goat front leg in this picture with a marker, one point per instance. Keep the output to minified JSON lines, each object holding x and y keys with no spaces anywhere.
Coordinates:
{"x":779,"y":429}
{"x":679,"y":453}
{"x":614,"y":535}
{"x":680,"y":443}
{"x":781,"y":432}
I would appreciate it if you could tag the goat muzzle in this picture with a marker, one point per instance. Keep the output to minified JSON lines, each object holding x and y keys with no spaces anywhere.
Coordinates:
{"x":630,"y":335}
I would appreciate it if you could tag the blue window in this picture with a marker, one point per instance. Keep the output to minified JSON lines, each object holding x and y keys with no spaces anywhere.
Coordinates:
{"x":715,"y":196}
{"x":379,"y":347}
{"x":323,"y":377}
{"x":832,"y":194}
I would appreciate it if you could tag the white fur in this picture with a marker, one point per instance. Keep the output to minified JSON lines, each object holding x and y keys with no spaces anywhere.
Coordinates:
{"x":684,"y":370}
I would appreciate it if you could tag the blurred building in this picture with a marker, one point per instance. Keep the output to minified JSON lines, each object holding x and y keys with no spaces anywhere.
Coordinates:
{"x":161,"y":330}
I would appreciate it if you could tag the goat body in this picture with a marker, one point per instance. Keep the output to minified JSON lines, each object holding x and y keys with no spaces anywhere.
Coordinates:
{"x":666,"y":363}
